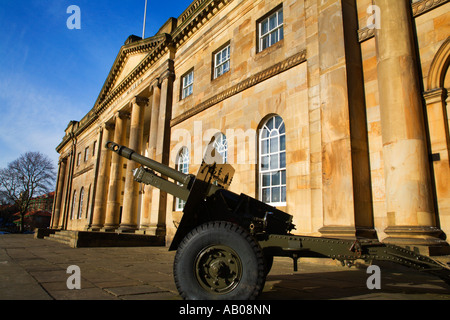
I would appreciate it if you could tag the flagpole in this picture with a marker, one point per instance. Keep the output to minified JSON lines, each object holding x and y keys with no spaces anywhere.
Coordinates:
{"x":145,"y":17}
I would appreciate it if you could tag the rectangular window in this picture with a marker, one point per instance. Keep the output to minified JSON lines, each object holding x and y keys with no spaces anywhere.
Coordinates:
{"x":270,"y":30}
{"x":187,"y":84}
{"x":222,"y":62}
{"x":79,"y":158}
{"x":86,"y":154}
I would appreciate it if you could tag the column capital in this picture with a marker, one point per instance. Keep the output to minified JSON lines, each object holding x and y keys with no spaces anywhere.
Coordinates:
{"x":140,"y":101}
{"x":122,"y":115}
{"x":105,"y":126}
{"x":62,"y":160}
{"x":167,"y":75}
{"x":154,"y":84}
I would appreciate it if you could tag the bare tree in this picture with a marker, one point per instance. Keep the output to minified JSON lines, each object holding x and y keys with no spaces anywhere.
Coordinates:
{"x":32,"y":174}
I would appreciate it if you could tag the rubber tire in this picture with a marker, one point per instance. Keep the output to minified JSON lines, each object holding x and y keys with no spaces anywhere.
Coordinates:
{"x":219,"y":234}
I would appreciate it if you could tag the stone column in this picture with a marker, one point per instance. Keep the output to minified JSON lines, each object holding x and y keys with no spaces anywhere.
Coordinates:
{"x":346,"y":194}
{"x":152,"y":194}
{"x":65,"y":214}
{"x":112,"y":218}
{"x":147,"y":202}
{"x":131,"y":191}
{"x":59,"y":193}
{"x":98,"y":218}
{"x":162,"y":148}
{"x":409,"y":203}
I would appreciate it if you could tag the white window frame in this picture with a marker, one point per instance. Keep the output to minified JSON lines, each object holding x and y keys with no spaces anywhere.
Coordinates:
{"x":74,"y":201}
{"x":272,"y":162}
{"x":182,"y":165}
{"x":274,"y":32}
{"x":80,"y":205}
{"x":187,"y":84}
{"x":222,"y":61}
{"x":221,"y":145}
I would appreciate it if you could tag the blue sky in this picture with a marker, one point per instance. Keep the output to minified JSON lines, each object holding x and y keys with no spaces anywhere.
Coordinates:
{"x":50,"y":75}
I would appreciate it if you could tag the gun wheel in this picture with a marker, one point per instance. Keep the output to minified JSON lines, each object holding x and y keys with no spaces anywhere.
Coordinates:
{"x":218,"y":261}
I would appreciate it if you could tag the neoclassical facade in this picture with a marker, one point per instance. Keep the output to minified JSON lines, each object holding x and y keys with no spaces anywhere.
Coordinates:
{"x":334,"y":111}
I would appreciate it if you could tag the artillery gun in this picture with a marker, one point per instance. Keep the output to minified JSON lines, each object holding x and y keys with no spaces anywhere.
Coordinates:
{"x":226,"y":242}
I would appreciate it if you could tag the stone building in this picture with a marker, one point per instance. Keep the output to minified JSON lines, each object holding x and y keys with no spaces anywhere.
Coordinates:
{"x":334,"y":111}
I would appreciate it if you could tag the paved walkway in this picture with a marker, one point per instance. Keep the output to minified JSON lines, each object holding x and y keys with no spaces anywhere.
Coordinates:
{"x":32,"y":269}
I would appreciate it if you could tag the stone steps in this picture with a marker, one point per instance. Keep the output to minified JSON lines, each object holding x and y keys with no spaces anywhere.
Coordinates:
{"x":63,"y":236}
{"x":78,"y":239}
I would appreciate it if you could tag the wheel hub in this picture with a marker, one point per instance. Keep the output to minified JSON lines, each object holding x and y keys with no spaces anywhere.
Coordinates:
{"x":218,"y":269}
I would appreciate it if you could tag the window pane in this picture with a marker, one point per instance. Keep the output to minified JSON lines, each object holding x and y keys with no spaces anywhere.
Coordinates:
{"x":265,"y":43}
{"x":217,"y":59}
{"x":274,"y":162}
{"x":274,"y":37}
{"x":280,"y":17}
{"x":283,"y":177}
{"x":265,"y":163}
{"x":278,"y":122}
{"x":266,"y":180}
{"x":266,"y":195}
{"x":276,"y":178}
{"x":283,"y":160}
{"x":276,"y":197}
{"x":226,"y":66}
{"x":283,"y":194}
{"x":265,"y":147}
{"x":281,"y":33}
{"x":283,"y":142}
{"x":273,"y":22}
{"x":265,"y":133}
{"x":264,"y":27}
{"x":270,"y":124}
{"x":274,"y":145}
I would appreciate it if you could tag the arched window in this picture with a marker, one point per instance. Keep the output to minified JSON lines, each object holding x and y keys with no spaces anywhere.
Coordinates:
{"x":182,"y":165}
{"x":221,"y":145}
{"x":80,"y":206}
{"x":88,"y":200}
{"x":272,"y":162}
{"x":74,"y":201}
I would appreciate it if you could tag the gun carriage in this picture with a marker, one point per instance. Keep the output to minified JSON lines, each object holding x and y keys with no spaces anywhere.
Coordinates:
{"x":226,"y":242}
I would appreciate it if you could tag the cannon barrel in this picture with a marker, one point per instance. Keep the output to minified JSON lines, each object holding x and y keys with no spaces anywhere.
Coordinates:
{"x":164,"y":170}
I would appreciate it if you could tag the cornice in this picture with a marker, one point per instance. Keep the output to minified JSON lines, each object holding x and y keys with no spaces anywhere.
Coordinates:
{"x":194,"y":17}
{"x":423,"y":6}
{"x":243,"y":85}
{"x":418,"y":8}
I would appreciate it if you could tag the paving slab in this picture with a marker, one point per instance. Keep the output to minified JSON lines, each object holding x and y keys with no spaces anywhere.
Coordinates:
{"x":36,"y":269}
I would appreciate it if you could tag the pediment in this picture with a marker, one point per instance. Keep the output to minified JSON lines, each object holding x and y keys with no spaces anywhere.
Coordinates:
{"x":130,"y":56}
{"x":131,"y":62}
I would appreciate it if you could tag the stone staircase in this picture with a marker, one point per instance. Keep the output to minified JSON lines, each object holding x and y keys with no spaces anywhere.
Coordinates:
{"x":63,"y":236}
{"x":85,"y":239}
